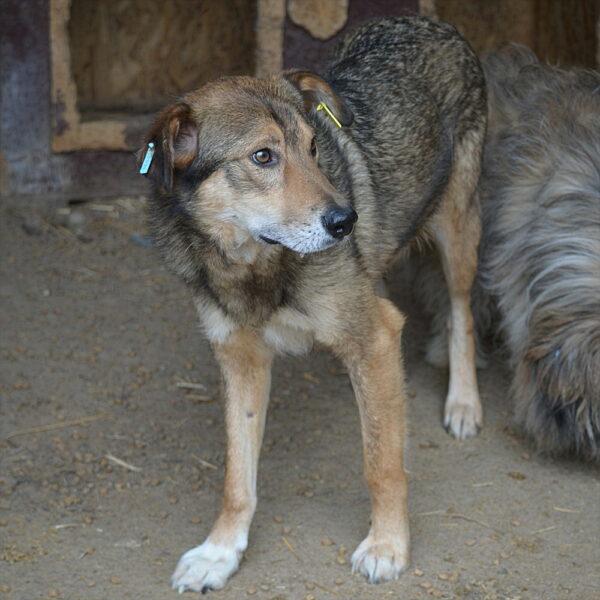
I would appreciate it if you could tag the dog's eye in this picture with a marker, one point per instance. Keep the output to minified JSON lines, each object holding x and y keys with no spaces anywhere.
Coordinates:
{"x":313,"y":147}
{"x":262,"y":157}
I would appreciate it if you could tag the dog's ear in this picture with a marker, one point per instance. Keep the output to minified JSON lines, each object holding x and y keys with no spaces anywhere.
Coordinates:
{"x":175,"y":138}
{"x":314,"y":90}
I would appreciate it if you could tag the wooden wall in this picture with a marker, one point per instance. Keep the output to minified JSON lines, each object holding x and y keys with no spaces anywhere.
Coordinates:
{"x":558,"y":31}
{"x":136,"y":55}
{"x":302,"y":50}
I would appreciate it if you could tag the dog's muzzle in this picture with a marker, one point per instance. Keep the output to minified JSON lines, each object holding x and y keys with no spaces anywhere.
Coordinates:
{"x":339,"y":222}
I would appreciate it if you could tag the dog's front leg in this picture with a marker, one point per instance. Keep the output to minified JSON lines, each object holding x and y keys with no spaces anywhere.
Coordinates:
{"x":375,"y":365}
{"x":245,"y":362}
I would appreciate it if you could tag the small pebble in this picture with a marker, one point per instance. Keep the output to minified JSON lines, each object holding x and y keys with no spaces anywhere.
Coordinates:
{"x":53,"y":593}
{"x":5,"y":589}
{"x":339,"y":581}
{"x":310,"y":597}
{"x":278,"y":519}
{"x":251,"y":591}
{"x":425,"y":585}
{"x":326,"y":542}
{"x":76,"y":221}
{"x":33,"y":226}
{"x":419,"y":573}
{"x":471,"y":542}
{"x":115,"y":580}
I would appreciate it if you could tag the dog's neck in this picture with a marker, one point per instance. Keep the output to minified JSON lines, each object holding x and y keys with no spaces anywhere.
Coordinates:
{"x":247,"y":279}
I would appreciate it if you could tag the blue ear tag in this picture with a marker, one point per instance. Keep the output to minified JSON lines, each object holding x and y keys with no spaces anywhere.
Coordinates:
{"x":147,"y":159}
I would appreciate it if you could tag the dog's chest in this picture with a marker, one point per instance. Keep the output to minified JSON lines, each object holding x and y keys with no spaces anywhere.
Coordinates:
{"x":286,"y":331}
{"x":290,"y":331}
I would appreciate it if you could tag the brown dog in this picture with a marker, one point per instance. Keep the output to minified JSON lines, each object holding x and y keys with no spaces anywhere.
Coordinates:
{"x":258,"y":184}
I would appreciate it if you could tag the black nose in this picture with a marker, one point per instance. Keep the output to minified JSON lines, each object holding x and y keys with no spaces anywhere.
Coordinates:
{"x":339,"y":221}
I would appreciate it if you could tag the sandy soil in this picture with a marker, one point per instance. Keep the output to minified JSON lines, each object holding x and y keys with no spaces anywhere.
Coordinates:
{"x":95,"y":335}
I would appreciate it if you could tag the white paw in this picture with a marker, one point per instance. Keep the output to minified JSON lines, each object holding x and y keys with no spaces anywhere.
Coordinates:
{"x":380,"y":561}
{"x":463,"y":419}
{"x":205,"y":567}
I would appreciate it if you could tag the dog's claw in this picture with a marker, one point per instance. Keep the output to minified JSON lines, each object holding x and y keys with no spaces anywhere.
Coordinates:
{"x":206,"y":567}
{"x":380,"y":561}
{"x":462,"y":420}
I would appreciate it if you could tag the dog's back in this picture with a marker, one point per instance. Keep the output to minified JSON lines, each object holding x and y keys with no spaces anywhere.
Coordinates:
{"x":409,"y":54}
{"x":416,"y":90}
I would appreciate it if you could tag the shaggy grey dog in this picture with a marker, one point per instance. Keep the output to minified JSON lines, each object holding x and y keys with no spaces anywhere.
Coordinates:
{"x":539,"y":274}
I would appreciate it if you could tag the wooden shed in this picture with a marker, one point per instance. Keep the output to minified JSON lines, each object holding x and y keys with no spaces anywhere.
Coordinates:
{"x":81,"y":79}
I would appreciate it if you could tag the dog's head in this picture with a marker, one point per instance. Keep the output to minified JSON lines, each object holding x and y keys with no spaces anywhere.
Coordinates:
{"x":242,"y":155}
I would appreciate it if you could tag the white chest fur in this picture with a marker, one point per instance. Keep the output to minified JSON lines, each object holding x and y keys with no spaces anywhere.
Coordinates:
{"x":288,"y":330}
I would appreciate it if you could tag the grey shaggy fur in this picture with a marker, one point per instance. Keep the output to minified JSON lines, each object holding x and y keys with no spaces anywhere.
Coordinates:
{"x":540,"y":254}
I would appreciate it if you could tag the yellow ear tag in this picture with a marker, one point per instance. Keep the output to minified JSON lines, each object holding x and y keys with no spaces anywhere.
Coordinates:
{"x":323,"y":106}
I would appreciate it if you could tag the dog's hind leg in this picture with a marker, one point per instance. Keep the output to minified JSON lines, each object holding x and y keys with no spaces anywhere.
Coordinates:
{"x":245,"y":362}
{"x":374,"y":362}
{"x":456,"y":230}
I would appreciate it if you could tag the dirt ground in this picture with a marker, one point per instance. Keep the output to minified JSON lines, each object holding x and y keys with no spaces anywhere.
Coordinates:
{"x":109,"y":469}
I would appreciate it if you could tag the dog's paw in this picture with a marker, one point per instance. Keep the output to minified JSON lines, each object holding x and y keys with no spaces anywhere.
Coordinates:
{"x":206,"y":567}
{"x":463,"y":419}
{"x":380,"y":561}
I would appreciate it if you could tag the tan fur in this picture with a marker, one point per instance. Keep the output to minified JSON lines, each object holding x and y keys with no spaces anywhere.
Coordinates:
{"x":379,"y":387}
{"x":258,"y":224}
{"x":246,"y":367}
{"x":456,"y":231}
